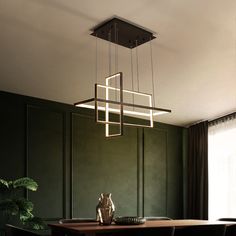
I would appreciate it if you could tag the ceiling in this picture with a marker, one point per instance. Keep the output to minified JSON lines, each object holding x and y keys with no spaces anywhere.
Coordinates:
{"x":47,"y":52}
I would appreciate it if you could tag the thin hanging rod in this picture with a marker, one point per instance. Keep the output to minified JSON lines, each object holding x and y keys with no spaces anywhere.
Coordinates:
{"x":222,"y":119}
{"x":216,"y":120}
{"x":132,"y":74}
{"x":137,"y":64}
{"x":109,"y":51}
{"x":116,"y":57}
{"x":96,"y":58}
{"x":153,"y":85}
{"x":116,"y":48}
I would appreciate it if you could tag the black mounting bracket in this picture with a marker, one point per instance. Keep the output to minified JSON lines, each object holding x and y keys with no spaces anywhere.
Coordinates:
{"x":122,"y":33}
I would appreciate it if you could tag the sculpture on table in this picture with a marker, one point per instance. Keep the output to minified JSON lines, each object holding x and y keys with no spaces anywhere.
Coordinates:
{"x":105,"y":209}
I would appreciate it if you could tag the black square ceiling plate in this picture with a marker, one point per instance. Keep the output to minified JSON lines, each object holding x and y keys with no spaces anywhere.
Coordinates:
{"x":128,"y":35}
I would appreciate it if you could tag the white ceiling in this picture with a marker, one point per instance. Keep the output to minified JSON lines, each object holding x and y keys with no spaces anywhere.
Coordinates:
{"x":46,"y":51}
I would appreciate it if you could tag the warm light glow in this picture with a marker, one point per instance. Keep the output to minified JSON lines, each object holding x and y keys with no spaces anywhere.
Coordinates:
{"x":124,"y":90}
{"x":115,"y":99}
{"x":126,"y":112}
{"x":113,"y":76}
{"x":132,"y":109}
{"x":157,"y":113}
{"x":151,"y":113}
{"x":107,"y":110}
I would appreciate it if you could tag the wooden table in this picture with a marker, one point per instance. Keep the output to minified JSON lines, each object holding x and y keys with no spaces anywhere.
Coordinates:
{"x":90,"y":229}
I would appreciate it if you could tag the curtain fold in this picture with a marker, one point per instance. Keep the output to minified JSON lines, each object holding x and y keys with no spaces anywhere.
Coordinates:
{"x":197,"y":172}
{"x":222,"y":175}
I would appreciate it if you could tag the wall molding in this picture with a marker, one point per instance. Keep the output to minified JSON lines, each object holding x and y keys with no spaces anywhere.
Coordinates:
{"x":64,"y":162}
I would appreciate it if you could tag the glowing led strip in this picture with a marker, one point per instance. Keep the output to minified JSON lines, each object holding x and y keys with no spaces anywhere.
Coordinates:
{"x":152,"y":111}
{"x":126,"y":112}
{"x":124,"y":90}
{"x":150,"y":114}
{"x":107,"y":111}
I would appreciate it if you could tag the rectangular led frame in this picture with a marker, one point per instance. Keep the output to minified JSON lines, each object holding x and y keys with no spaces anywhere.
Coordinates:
{"x":156,"y":111}
{"x":107,"y":121}
{"x":153,"y":111}
{"x":129,"y":112}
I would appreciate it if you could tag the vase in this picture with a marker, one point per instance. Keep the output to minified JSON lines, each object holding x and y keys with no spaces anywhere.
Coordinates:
{"x":105,"y":209}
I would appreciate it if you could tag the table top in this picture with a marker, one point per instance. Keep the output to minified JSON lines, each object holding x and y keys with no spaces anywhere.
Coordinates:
{"x":95,"y":227}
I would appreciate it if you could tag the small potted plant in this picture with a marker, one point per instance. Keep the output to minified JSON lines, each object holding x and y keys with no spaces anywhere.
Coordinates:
{"x":18,"y":210}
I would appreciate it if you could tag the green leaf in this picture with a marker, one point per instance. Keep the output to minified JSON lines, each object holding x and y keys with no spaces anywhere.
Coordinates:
{"x":25,"y":208}
{"x":9,"y":206}
{"x":35,"y":223}
{"x":25,"y":182}
{"x":24,"y":204}
{"x":4,"y":183}
{"x":25,"y":215}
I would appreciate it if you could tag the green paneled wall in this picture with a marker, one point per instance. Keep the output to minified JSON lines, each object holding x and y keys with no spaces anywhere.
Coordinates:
{"x":12,"y":137}
{"x":45,"y":160}
{"x":62,"y":148}
{"x":155,"y":172}
{"x":103,"y":165}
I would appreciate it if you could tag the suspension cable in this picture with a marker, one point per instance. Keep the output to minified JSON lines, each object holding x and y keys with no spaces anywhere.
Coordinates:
{"x":96,"y":58}
{"x":109,"y":51}
{"x":137,"y":64}
{"x":153,"y":85}
{"x":116,"y":58}
{"x":132,"y":74}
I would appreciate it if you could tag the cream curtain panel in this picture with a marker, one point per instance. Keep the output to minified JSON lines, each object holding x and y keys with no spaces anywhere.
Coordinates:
{"x":222,"y":169}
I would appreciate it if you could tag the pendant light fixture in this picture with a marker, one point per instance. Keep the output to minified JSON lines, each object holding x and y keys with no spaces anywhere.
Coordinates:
{"x":112,"y":103}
